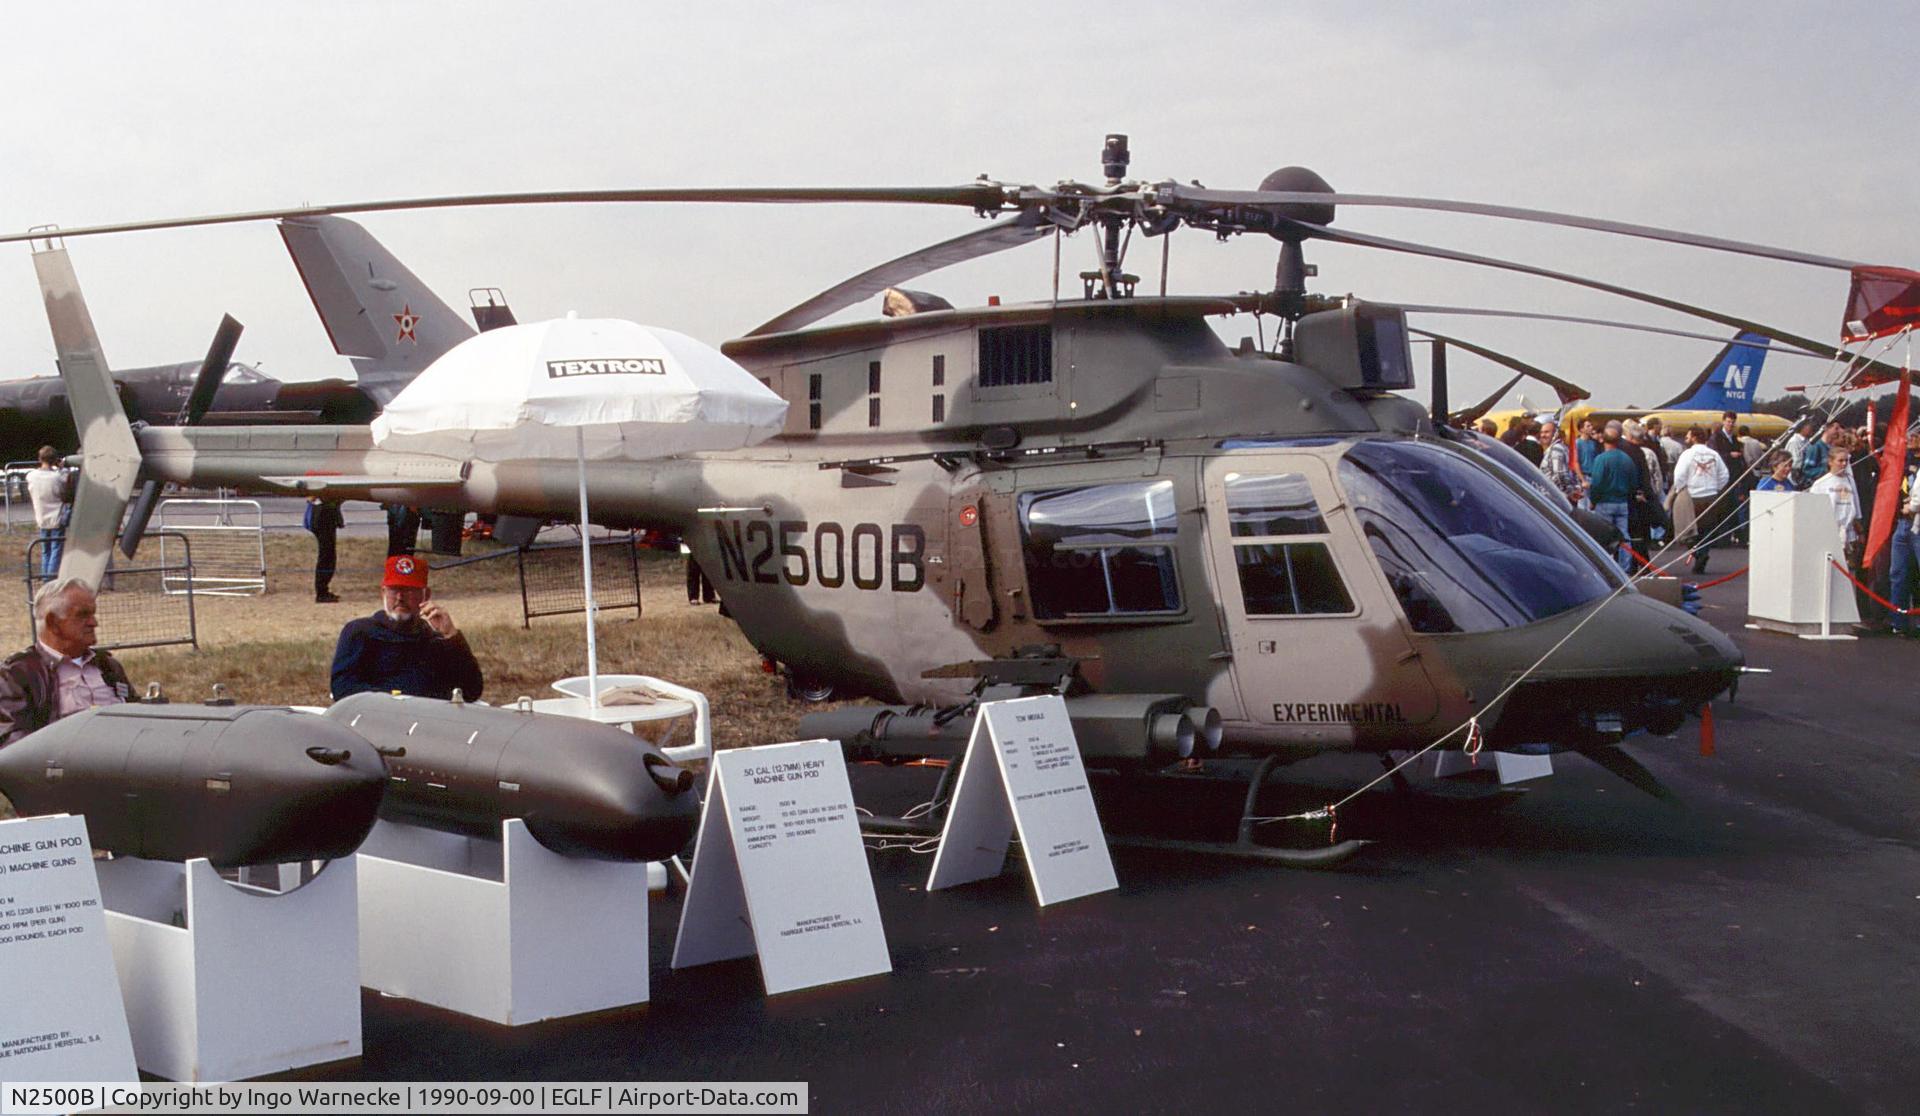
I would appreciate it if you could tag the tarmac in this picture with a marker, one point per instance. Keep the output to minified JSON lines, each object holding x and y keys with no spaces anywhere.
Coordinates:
{"x":1585,"y":947}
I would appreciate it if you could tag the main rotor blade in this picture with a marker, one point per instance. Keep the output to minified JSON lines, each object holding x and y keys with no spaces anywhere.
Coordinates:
{"x":1367,"y":241}
{"x":982,"y":196}
{"x":1176,"y":196}
{"x":1568,"y":391}
{"x":212,"y":370}
{"x":1610,"y":323}
{"x":1473,"y":413}
{"x":1021,"y":229}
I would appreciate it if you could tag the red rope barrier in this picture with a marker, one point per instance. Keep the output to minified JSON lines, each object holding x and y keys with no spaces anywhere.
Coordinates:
{"x":1722,"y":580}
{"x":1884,"y":603}
{"x":1647,"y":566}
{"x":1647,"y":563}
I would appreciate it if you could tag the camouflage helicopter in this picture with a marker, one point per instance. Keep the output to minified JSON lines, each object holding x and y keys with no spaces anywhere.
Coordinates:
{"x":1269,"y":552}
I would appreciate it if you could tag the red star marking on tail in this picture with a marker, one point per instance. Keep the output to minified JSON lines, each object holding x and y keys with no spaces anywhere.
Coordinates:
{"x":407,"y":319}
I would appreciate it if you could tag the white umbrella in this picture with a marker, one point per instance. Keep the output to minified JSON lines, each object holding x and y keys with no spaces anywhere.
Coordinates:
{"x":586,"y":388}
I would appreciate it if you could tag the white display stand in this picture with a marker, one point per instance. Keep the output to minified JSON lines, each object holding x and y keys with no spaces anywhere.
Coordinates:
{"x":506,"y":930}
{"x":626,"y":716}
{"x":227,"y":981}
{"x":1791,"y":585}
{"x":61,"y":1014}
{"x":1022,"y":771}
{"x":780,"y":871}
{"x":1511,"y":767}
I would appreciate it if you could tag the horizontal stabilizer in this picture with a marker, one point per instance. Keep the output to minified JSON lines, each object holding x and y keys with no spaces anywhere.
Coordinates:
{"x":346,"y":485}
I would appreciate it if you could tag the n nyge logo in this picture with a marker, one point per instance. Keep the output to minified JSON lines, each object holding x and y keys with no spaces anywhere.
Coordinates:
{"x":646,"y":366}
{"x":1737,"y":377}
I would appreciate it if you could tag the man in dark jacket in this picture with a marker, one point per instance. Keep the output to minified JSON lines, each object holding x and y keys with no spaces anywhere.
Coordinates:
{"x":410,"y":646}
{"x":61,"y":674}
{"x":324,"y":520}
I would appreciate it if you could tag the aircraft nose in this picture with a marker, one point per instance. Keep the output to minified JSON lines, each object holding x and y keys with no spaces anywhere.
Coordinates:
{"x":1692,"y":642}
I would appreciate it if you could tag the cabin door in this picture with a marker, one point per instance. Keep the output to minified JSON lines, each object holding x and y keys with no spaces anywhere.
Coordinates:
{"x":1318,"y":651}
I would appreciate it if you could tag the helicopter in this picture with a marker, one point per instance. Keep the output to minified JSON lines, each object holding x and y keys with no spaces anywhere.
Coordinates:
{"x":1265,"y":551}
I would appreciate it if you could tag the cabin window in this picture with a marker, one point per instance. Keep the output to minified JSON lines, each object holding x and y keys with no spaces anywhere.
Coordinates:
{"x":1280,"y":548}
{"x":873,"y":410}
{"x":1101,"y":550}
{"x":813,"y":401}
{"x":1011,"y":355}
{"x":873,"y":377}
{"x":939,"y":408}
{"x":939,"y":370}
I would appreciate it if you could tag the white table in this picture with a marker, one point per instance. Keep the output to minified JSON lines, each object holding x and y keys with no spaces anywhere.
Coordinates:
{"x":679,"y":702}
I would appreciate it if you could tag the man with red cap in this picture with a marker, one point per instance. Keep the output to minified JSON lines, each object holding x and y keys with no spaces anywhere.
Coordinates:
{"x":410,"y":646}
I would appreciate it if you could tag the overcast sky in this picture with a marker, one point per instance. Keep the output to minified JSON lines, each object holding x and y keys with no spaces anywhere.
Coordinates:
{"x":1778,"y":123}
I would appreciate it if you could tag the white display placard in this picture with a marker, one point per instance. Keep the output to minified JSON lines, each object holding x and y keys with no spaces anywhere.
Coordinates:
{"x":1022,"y":771}
{"x":780,"y":871}
{"x":61,"y":1015}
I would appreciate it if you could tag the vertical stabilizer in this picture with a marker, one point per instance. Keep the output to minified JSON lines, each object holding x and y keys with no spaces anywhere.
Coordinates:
{"x":1729,"y":380}
{"x":378,"y":313}
{"x":110,"y":457}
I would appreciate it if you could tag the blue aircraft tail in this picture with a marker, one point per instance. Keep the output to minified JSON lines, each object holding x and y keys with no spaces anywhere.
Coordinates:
{"x":1729,"y":380}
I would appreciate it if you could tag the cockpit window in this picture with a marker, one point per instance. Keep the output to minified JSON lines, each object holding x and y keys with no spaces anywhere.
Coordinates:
{"x":241,"y":374}
{"x":1461,"y":551}
{"x":1279,"y":547}
{"x":1101,"y":550}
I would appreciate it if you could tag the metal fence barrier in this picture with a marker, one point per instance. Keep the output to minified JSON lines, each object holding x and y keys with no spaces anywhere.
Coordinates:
{"x":550,"y":578}
{"x":229,"y":545}
{"x":135,"y":607}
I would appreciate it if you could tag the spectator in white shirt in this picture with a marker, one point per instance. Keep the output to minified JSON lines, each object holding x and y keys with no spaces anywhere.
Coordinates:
{"x":1702,"y":475}
{"x":47,"y":488}
{"x":1837,"y":485}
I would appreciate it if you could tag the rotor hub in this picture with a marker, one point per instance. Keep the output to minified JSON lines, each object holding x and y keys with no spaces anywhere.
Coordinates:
{"x":1299,"y":180}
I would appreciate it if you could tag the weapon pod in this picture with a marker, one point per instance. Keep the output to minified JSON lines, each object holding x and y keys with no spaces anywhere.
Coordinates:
{"x":234,"y":784}
{"x":584,"y":789}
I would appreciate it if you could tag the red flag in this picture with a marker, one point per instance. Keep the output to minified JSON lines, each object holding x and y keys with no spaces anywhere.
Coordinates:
{"x":1893,"y":467}
{"x":1883,"y":300}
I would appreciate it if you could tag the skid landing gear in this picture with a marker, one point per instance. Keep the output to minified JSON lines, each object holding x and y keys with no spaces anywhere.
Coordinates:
{"x":1477,"y":789}
{"x":1243,"y":846}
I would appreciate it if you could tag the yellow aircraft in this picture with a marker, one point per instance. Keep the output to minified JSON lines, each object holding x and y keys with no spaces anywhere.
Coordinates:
{"x":1727,"y":383}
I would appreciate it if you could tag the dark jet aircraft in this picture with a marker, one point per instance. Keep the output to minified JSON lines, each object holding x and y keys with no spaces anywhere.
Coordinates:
{"x":34,"y":412}
{"x":377,"y":313}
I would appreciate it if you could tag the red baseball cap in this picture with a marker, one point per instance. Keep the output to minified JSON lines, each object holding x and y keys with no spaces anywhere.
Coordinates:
{"x":404,"y":571}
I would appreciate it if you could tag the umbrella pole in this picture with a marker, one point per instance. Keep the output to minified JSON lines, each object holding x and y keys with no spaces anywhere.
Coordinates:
{"x":586,"y":573}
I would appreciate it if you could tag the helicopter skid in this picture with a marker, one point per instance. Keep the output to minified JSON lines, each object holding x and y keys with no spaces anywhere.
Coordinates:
{"x":1328,"y":856}
{"x":1244,"y":847}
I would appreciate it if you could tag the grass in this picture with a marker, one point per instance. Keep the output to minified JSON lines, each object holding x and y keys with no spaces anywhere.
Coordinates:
{"x":277,"y":648}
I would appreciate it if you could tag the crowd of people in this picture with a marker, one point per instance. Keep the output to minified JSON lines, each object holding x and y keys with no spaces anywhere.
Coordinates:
{"x":1681,"y":496}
